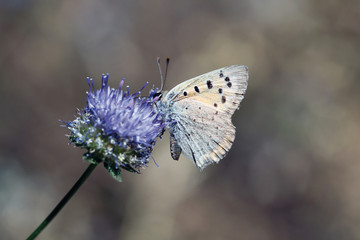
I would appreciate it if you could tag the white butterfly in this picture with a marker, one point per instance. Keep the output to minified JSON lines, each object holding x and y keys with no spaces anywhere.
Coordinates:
{"x":198,"y":114}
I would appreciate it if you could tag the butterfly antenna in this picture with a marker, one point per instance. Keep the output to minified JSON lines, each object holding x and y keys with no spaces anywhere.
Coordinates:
{"x":166,"y":71}
{"x":161,"y":76}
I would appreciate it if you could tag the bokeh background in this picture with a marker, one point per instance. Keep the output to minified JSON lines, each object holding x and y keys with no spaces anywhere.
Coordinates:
{"x":293,"y":171}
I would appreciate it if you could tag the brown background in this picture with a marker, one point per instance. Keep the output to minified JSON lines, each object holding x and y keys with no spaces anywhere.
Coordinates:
{"x":293,"y":172}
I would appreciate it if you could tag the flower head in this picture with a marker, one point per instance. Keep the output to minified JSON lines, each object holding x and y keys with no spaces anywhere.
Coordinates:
{"x":117,"y":128}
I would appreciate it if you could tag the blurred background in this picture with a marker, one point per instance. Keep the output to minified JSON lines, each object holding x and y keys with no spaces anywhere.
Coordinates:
{"x":292,"y":173}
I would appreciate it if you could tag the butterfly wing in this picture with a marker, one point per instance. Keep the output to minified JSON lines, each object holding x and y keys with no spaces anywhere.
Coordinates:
{"x":201,"y":110}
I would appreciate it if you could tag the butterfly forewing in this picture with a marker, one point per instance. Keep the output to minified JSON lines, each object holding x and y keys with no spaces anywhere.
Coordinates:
{"x":201,"y":109}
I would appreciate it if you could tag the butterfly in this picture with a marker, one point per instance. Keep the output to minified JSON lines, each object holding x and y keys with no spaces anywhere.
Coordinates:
{"x":198,"y":112}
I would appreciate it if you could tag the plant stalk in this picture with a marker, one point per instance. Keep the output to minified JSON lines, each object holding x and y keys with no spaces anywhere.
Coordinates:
{"x":63,"y":202}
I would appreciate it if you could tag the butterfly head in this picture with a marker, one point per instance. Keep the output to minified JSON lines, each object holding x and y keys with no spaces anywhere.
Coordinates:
{"x":158,"y":95}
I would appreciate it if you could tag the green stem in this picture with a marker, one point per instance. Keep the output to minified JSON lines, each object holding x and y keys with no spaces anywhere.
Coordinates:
{"x":63,"y":201}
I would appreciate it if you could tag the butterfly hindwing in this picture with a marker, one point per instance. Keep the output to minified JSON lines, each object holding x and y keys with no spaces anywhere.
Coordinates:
{"x":201,"y":110}
{"x":203,"y":138}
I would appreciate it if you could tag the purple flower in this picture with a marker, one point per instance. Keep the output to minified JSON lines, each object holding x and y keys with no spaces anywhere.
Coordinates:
{"x":117,"y":128}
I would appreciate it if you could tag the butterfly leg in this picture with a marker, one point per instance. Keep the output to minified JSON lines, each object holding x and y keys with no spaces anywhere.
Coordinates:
{"x":175,"y":149}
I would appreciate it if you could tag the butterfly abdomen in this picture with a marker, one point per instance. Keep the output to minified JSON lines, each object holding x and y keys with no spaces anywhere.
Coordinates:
{"x":175,"y":149}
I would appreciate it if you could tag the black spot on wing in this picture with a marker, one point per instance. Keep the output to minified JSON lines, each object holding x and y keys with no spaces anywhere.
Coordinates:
{"x":196,"y":88}
{"x":209,"y":84}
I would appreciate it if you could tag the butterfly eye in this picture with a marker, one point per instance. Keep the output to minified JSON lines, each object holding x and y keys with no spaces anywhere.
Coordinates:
{"x":158,"y":94}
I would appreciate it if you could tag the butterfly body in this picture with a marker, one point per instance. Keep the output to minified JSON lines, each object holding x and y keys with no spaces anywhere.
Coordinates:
{"x":198,"y":114}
